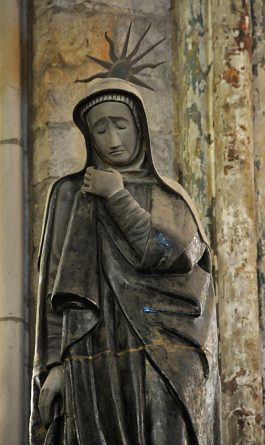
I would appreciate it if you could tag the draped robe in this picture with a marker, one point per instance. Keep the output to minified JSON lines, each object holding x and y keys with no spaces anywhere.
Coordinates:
{"x":136,"y":334}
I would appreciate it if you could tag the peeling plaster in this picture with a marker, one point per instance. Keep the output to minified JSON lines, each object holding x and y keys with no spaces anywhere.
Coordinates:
{"x":236,"y":224}
{"x":194,"y":115}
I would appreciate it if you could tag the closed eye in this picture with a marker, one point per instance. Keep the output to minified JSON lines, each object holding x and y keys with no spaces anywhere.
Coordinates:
{"x":101,"y":130}
{"x":121,"y":123}
{"x":101,"y":126}
{"x":121,"y":126}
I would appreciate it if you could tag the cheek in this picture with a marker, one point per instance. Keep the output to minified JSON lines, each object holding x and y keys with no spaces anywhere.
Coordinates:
{"x":100,"y":141}
{"x":128,"y":140}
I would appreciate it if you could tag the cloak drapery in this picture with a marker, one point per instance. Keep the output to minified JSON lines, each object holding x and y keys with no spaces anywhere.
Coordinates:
{"x":135,"y":334}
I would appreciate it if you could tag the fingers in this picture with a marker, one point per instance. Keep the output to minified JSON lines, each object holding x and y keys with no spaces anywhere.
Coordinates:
{"x":47,"y":408}
{"x":87,"y":180}
{"x":52,"y":386}
{"x":89,"y":169}
{"x":45,"y":404}
{"x":85,"y":189}
{"x":42,"y":404}
{"x":102,"y":182}
{"x":110,"y":170}
{"x":87,"y":184}
{"x":42,"y":398}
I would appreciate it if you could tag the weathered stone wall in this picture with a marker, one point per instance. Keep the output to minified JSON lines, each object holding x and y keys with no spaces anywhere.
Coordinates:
{"x":204,"y":131}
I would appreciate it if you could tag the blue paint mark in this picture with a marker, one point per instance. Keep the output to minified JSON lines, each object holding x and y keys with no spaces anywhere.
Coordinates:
{"x":150,"y":310}
{"x":162,"y":239}
{"x":153,"y":310}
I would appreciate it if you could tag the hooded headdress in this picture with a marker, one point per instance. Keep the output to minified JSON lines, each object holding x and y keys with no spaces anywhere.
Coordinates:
{"x":117,"y":90}
{"x":117,"y":85}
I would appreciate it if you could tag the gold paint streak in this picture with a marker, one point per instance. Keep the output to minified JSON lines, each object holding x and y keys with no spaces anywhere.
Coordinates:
{"x":169,"y":348}
{"x":130,"y":350}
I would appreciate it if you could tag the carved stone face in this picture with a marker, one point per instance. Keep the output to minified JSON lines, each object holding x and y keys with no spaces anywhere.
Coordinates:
{"x":114,"y":132}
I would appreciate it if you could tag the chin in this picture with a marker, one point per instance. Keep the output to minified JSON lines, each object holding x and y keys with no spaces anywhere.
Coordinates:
{"x":119,"y":160}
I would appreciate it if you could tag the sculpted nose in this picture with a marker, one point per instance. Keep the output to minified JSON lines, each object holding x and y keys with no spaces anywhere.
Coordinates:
{"x":114,"y":140}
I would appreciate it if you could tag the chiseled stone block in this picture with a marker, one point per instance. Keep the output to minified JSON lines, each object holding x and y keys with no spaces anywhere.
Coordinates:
{"x":58,"y":149}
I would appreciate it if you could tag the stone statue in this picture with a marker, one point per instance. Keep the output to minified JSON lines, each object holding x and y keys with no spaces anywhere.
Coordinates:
{"x":126,"y":345}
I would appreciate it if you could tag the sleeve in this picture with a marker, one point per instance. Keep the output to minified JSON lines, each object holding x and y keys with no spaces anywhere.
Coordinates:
{"x":52,"y":319}
{"x":132,"y":219}
{"x":167,"y":241}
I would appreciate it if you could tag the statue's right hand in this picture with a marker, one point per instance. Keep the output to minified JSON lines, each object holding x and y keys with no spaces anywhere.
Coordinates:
{"x":52,"y":387}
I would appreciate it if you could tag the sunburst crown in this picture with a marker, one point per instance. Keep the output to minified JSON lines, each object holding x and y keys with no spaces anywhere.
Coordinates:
{"x":124,"y":66}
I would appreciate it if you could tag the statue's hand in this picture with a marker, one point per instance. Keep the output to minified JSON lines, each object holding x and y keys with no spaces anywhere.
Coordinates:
{"x":104,"y":183}
{"x":52,"y":387}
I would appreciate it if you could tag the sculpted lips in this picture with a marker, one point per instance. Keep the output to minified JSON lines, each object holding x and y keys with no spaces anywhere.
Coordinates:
{"x":117,"y":150}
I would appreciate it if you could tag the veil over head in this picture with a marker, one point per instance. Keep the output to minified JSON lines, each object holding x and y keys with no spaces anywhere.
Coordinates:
{"x":122,"y":91}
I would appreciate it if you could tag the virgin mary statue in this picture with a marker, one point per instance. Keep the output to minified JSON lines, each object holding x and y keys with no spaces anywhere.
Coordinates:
{"x":126,"y":345}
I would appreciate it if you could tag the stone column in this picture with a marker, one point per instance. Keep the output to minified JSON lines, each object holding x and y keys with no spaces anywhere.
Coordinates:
{"x":11,"y":230}
{"x":259,"y":125}
{"x":236,"y":224}
{"x":192,"y":100}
